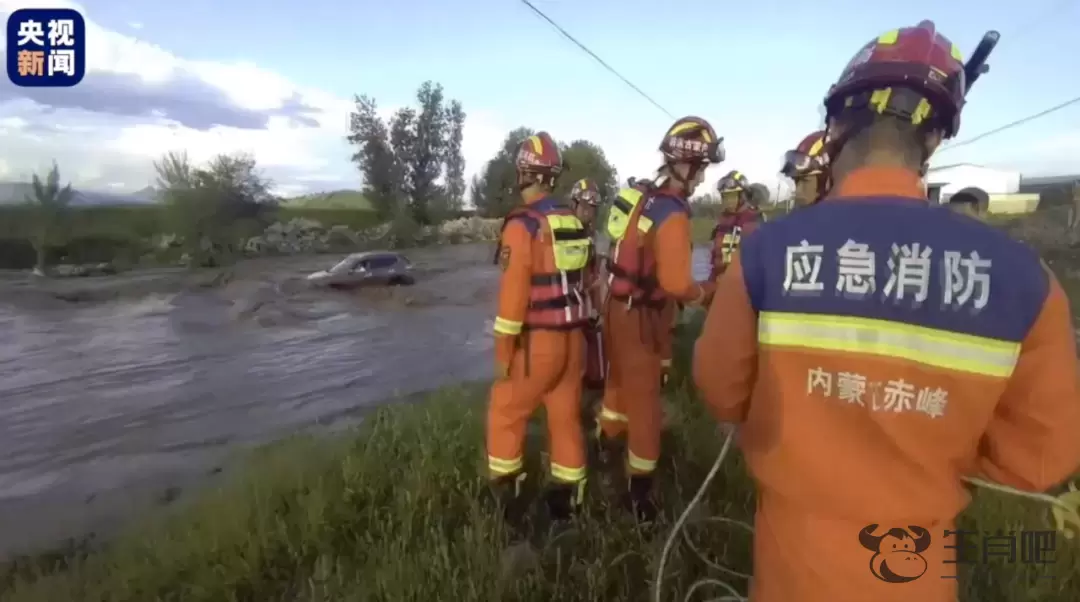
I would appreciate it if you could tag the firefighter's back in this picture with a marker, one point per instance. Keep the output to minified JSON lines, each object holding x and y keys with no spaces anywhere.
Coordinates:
{"x":890,"y":329}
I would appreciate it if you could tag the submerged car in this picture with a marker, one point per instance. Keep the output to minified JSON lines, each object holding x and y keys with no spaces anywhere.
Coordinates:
{"x":363,"y":269}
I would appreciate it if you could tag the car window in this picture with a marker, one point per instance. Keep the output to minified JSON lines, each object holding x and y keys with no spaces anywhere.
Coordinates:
{"x":382,"y":262}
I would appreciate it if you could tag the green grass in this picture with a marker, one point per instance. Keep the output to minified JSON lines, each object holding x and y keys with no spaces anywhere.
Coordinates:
{"x":389,"y":512}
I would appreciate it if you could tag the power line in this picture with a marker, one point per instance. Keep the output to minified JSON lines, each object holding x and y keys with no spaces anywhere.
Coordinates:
{"x":604,"y":63}
{"x":1011,"y":125}
{"x":1029,"y":26}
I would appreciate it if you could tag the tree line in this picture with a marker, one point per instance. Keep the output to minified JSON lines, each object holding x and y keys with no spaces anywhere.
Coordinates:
{"x":210,"y":207}
{"x":414,"y":171}
{"x":411,"y":165}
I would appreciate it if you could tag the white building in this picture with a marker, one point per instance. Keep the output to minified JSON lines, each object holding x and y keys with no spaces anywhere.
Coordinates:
{"x":945,"y":180}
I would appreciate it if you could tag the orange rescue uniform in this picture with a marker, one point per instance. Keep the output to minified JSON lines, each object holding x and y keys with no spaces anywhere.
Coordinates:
{"x":538,"y":339}
{"x":650,"y":269}
{"x":858,"y":410}
{"x":730,"y":229}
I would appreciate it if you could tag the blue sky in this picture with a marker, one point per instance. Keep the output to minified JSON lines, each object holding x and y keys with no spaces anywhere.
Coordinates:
{"x":757,"y":70}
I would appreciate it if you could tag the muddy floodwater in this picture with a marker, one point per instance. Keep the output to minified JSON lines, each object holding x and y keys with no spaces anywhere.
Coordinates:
{"x":119,"y":393}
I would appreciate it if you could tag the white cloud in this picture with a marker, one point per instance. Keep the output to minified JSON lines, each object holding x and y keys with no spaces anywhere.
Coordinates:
{"x":140,"y":101}
{"x":105,"y":139}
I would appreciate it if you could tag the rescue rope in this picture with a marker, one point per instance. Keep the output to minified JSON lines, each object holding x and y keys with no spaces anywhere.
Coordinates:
{"x":1066,"y":509}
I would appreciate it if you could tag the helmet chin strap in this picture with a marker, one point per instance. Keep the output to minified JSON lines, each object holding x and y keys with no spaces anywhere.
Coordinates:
{"x":527,"y":179}
{"x":693,"y":169}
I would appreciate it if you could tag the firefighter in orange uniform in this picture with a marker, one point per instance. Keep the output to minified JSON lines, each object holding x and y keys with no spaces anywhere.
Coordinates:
{"x":806,"y":165}
{"x":544,"y":254}
{"x":649,"y":269}
{"x":876,"y":349}
{"x":739,"y":217}
{"x":585,"y":199}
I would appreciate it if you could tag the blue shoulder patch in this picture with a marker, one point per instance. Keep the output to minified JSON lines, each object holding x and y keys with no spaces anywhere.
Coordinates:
{"x":659,"y":207}
{"x":895,"y":260}
{"x":543,"y":206}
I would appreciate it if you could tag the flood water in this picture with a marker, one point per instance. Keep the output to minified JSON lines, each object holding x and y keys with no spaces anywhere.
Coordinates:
{"x":106,"y":407}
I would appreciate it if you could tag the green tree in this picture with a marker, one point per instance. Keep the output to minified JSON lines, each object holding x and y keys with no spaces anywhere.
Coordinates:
{"x":375,"y":158}
{"x":455,"y":159}
{"x":583,"y":159}
{"x":214,"y":207}
{"x":49,"y":205}
{"x":414,"y":160}
{"x":426,"y":164}
{"x":403,"y":145}
{"x":494,"y":191}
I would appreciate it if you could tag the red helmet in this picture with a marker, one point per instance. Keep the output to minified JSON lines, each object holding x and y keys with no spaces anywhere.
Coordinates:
{"x":734,"y":181}
{"x":913,"y":73}
{"x":692,"y":140}
{"x":808,"y":158}
{"x":539,"y":154}
{"x":585,"y":191}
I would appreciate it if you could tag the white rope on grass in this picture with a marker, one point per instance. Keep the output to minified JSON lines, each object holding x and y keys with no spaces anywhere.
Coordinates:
{"x":1065,"y":511}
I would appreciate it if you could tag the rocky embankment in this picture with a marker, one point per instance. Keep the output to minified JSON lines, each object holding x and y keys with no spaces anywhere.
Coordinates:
{"x":300,"y":236}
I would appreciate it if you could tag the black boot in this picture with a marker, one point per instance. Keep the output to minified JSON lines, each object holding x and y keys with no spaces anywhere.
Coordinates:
{"x":508,"y":495}
{"x":639,"y":498}
{"x":564,"y":500}
{"x":609,"y":451}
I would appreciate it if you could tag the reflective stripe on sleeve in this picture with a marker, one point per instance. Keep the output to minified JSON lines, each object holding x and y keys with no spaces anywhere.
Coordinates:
{"x":508,"y":327}
{"x":928,"y":346}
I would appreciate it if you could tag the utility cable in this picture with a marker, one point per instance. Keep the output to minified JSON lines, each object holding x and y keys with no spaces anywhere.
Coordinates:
{"x":602,"y":62}
{"x":1011,"y":125}
{"x":1024,"y":29}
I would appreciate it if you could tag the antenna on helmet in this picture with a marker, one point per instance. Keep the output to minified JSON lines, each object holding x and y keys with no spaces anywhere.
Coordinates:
{"x":976,"y":64}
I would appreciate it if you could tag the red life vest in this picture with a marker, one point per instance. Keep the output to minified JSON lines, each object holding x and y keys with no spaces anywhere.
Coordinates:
{"x":632,"y":263}
{"x":728,"y":234}
{"x":557,"y":299}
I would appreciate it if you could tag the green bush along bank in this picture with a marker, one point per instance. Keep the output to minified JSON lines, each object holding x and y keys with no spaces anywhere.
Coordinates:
{"x":390,"y":512}
{"x":127,"y":234}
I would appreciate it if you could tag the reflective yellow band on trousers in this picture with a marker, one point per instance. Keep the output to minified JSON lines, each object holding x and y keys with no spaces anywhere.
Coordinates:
{"x":567,"y":474}
{"x":612,"y":415}
{"x":929,"y":346}
{"x":639,"y":464}
{"x":498,"y":466}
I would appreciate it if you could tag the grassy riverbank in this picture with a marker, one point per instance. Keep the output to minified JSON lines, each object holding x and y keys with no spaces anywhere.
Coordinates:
{"x":388,"y":512}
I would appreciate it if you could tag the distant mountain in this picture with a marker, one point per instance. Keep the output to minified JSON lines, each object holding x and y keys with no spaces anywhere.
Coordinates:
{"x":16,"y":192}
{"x":338,"y":199}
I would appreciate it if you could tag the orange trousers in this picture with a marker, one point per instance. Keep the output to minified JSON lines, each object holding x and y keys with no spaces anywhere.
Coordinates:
{"x":546,"y":370}
{"x":639,"y":346}
{"x":800,"y":556}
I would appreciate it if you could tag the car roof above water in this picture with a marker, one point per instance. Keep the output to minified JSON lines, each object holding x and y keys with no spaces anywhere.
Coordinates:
{"x":372,"y":255}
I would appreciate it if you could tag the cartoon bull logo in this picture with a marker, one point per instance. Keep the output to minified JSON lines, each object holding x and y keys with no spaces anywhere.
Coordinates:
{"x":897,"y":554}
